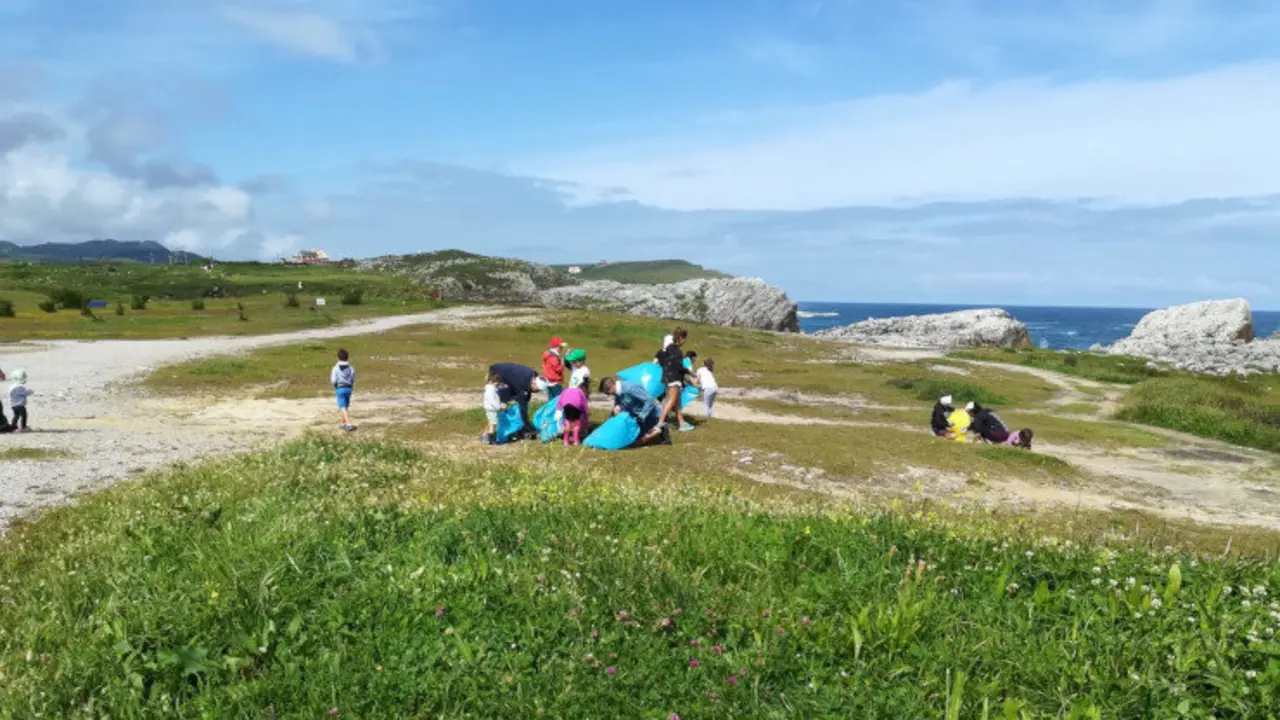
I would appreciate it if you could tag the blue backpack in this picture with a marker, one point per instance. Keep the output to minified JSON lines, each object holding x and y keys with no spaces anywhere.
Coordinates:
{"x":545,"y":420}
{"x":617,"y":433}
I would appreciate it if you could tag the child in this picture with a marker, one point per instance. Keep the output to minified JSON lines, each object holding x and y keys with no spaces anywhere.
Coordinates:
{"x":580,"y":377}
{"x":553,"y":367}
{"x":572,"y":412}
{"x":707,"y":381}
{"x":343,"y":378}
{"x":18,"y":395}
{"x":492,"y":406}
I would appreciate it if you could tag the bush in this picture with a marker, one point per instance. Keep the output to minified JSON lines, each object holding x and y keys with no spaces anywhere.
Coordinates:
{"x":1242,"y":412}
{"x":88,"y":313}
{"x":48,"y":306}
{"x":119,"y":308}
{"x":291,"y":300}
{"x":6,"y":308}
{"x":67,"y":298}
{"x":933,"y":388}
{"x":139,"y":302}
{"x":353,"y":296}
{"x":240,"y":312}
{"x":197,"y":304}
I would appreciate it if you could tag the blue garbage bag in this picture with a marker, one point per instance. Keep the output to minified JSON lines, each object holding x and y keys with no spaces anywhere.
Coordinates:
{"x":647,"y":374}
{"x":617,"y":433}
{"x":688,"y":395}
{"x":510,"y":423}
{"x":545,"y":420}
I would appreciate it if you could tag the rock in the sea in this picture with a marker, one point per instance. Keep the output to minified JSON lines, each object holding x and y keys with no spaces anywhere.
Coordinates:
{"x":990,"y":327}
{"x":733,"y":302}
{"x":1214,"y":337}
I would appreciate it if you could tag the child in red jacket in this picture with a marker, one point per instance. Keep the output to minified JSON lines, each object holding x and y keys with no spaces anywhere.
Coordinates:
{"x":553,"y":367}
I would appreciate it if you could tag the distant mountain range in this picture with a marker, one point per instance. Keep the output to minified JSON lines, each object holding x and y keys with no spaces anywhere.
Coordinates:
{"x":91,"y":251}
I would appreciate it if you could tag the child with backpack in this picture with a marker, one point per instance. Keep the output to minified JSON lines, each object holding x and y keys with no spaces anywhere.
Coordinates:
{"x":343,"y":379}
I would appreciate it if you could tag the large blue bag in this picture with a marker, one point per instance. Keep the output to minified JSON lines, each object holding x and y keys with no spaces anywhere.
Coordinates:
{"x":510,"y":423}
{"x":617,"y":433}
{"x":647,"y":374}
{"x":545,"y":420}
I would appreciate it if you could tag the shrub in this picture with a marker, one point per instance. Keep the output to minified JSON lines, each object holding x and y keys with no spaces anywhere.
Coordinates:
{"x":119,"y":308}
{"x":67,"y":298}
{"x":291,"y":300}
{"x":6,"y":308}
{"x":197,"y":304}
{"x":48,"y":306}
{"x":139,"y":302}
{"x":353,"y":296}
{"x":240,"y":312}
{"x":87,"y":312}
{"x":1238,"y":411}
{"x":933,"y":388}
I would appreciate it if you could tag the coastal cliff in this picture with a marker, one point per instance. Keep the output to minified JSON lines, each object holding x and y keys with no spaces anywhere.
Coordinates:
{"x":989,"y":327}
{"x":1214,"y":337}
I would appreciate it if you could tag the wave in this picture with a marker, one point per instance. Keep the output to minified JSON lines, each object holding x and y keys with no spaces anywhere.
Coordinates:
{"x":807,"y":314}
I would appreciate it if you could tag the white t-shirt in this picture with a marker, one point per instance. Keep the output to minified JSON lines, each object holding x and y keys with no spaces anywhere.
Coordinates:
{"x":707,"y":380}
{"x":18,"y":396}
{"x":492,"y":403}
{"x":578,"y":376}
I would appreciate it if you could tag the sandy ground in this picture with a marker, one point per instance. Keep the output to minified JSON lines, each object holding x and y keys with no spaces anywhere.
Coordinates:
{"x":86,"y":410}
{"x":109,"y":433}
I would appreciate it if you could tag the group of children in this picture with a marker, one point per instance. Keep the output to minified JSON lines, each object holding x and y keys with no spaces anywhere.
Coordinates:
{"x":18,"y":395}
{"x":948,"y":422}
{"x":513,"y":382}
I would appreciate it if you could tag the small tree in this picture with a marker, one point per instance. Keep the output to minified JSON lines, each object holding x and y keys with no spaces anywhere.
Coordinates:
{"x":67,"y":298}
{"x":119,"y":308}
{"x":48,"y":306}
{"x":291,"y":300}
{"x":6,"y":308}
{"x":353,"y":296}
{"x":197,"y":304}
{"x":240,"y":310}
{"x":139,"y":302}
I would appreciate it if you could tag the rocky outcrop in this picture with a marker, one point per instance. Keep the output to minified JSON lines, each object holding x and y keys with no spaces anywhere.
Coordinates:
{"x":459,"y":275}
{"x":1214,"y":337}
{"x":989,"y":327}
{"x":733,"y":302}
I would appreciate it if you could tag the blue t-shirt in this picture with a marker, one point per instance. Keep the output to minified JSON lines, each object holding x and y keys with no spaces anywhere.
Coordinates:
{"x":635,"y":400}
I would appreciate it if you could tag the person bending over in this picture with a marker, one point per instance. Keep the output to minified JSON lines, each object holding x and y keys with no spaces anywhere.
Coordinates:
{"x":519,"y":383}
{"x":634,"y":400}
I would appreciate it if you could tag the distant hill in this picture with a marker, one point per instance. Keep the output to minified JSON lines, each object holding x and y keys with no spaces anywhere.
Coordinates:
{"x":647,"y":272}
{"x":91,"y":251}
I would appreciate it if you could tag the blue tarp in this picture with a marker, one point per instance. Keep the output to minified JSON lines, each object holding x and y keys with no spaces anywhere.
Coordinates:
{"x":97,"y":303}
{"x":617,"y":433}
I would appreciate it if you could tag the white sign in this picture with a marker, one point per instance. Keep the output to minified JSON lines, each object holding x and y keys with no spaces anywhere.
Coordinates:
{"x":319,"y":302}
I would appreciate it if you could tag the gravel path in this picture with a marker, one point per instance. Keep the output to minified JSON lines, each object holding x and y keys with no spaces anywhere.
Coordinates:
{"x":86,"y":409}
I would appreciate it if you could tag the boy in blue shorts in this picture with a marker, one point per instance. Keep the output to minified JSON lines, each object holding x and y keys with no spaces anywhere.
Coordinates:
{"x":343,"y":378}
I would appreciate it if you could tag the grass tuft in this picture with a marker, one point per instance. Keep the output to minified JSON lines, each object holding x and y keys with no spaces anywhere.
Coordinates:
{"x":1241,"y":411}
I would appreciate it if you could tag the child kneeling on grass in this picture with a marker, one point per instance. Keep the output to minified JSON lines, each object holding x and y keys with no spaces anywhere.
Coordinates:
{"x":343,"y":378}
{"x":633,"y":399}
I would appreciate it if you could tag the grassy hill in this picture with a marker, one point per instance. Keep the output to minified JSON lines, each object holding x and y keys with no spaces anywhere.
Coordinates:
{"x":91,"y":251}
{"x":646,"y":272}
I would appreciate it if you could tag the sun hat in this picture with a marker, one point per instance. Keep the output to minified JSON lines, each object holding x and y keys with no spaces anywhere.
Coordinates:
{"x":946,"y":400}
{"x":576,"y":355}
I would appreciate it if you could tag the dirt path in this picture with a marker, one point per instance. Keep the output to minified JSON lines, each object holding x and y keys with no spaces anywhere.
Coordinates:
{"x":99,"y":430}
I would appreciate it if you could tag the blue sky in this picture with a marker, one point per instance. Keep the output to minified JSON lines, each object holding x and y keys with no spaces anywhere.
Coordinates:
{"x":1086,"y":152}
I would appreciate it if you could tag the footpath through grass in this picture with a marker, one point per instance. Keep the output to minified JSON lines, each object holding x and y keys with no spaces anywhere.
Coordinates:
{"x":369,"y":581}
{"x":1119,"y":369}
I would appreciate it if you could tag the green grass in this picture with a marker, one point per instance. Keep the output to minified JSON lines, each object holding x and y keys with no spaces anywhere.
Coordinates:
{"x":1090,"y":366}
{"x":31,"y":453}
{"x":384,"y":583}
{"x":1241,"y":411}
{"x":652,"y":272}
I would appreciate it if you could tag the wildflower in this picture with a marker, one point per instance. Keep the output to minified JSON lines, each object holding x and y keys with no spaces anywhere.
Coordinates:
{"x":1097,"y":570}
{"x":664,"y":623}
{"x":1246,"y":604}
{"x":1156,"y":603}
{"x":806,"y":621}
{"x":732,"y":680}
{"x":611,"y":670}
{"x":1134,"y":677}
{"x":1226,"y":589}
{"x":1096,"y":581}
{"x":1130,"y":581}
{"x":378,"y":668}
{"x":1030,"y":554}
{"x":781,"y":631}
{"x":674,"y":716}
{"x":717,"y":650}
{"x":334,"y":712}
{"x":622,"y":615}
{"x":589,"y":657}
{"x":1113,"y":582}
{"x":439,"y":611}
{"x":694,"y":663}
{"x":767,"y":613}
{"x":1251,"y":674}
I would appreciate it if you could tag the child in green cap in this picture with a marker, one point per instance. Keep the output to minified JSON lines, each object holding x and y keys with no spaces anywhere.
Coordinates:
{"x":580,"y":377}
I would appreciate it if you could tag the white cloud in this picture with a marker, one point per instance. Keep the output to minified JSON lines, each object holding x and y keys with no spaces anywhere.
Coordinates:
{"x":231,"y":202}
{"x":276,"y":245}
{"x":187,"y":239}
{"x":304,"y":32}
{"x":1209,"y":134}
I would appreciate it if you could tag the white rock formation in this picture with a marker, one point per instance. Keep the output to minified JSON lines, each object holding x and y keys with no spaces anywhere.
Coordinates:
{"x":733,"y":302}
{"x":1214,"y":337}
{"x":990,"y":327}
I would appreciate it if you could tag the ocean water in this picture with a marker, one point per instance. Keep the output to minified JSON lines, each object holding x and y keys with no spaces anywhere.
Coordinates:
{"x":1060,"y":328}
